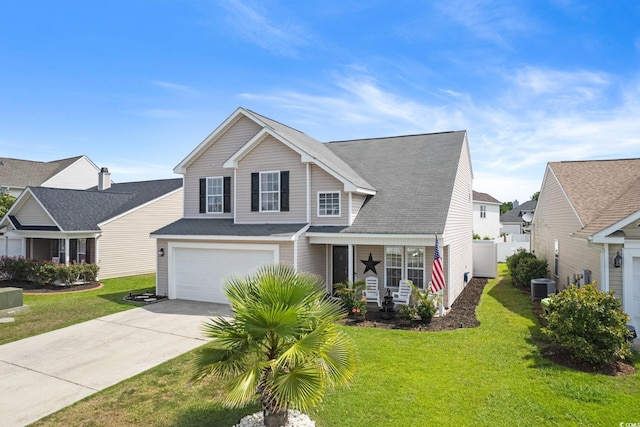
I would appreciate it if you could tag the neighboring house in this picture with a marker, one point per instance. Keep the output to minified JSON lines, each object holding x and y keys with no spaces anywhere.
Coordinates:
{"x":514,"y":221}
{"x":486,"y":215}
{"x":15,"y":175}
{"x":108,"y":225}
{"x":78,"y":173}
{"x":587,"y":226}
{"x":257,"y":192}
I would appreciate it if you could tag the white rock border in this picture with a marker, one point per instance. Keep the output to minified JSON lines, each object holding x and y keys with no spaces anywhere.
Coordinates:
{"x":295,"y":419}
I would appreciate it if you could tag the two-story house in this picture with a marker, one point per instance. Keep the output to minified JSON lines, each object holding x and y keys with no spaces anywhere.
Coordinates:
{"x":486,"y":215}
{"x":257,"y":191}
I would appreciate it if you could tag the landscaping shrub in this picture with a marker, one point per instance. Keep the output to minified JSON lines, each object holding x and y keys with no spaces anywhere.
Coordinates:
{"x":524,"y":266}
{"x":590,"y":324}
{"x":47,"y":272}
{"x":425,"y":306}
{"x":349,"y":293}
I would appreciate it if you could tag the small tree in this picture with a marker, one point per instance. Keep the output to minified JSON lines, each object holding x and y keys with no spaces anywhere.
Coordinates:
{"x":524,"y":266}
{"x":590,"y":324}
{"x":6,"y":201}
{"x":283,"y":346}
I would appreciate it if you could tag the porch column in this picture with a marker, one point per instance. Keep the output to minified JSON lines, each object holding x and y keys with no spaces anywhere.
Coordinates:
{"x":350,"y":253}
{"x":67,"y":247}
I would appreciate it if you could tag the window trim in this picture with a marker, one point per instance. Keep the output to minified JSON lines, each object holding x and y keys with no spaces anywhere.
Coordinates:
{"x":402,"y":260}
{"x":334,"y":192}
{"x":483,"y":211}
{"x":207,"y":195}
{"x":424,"y":264}
{"x":261,"y":192}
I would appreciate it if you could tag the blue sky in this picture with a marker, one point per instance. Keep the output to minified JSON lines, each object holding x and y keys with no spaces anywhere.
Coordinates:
{"x":136,"y":85}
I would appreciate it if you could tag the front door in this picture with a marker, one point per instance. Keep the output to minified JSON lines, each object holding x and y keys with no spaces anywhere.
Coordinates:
{"x":340,"y":264}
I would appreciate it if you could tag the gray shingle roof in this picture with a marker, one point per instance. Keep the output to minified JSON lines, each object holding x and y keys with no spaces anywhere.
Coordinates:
{"x":83,"y":210}
{"x":226,"y":227}
{"x":24,"y":173}
{"x":413,"y":175}
{"x":515,"y":214}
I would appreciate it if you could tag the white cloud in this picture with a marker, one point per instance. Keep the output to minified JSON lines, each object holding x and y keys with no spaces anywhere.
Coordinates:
{"x":510,"y":146}
{"x":176,"y":88}
{"x":253,"y":22}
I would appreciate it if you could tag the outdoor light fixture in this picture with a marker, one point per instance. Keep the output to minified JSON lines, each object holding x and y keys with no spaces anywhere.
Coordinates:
{"x":617,"y":260}
{"x":161,"y":252}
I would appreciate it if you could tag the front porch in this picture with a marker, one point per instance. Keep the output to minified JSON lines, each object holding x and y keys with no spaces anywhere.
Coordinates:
{"x":61,"y":250}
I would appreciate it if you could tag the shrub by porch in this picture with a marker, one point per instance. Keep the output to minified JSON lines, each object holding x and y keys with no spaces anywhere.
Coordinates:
{"x":47,"y":272}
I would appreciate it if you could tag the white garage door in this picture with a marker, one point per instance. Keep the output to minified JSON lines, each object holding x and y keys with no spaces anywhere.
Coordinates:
{"x":199,"y":272}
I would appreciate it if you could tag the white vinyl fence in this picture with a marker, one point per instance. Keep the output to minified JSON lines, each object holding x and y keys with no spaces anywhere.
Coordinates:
{"x":485,"y":258}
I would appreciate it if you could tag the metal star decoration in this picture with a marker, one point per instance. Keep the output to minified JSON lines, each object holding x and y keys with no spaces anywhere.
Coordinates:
{"x":370,"y":264}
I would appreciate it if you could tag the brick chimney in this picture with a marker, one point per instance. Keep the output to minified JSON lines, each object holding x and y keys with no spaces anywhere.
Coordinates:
{"x":104,"y":179}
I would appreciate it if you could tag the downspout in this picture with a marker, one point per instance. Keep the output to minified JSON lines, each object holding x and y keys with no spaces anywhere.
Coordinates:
{"x":308,"y":193}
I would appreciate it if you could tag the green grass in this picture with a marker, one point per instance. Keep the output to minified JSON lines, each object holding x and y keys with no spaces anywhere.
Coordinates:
{"x":492,"y":375}
{"x":53,"y":311}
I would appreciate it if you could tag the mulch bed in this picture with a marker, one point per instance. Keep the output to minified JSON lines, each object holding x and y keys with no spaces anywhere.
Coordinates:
{"x":462,"y":314}
{"x":38,"y":288}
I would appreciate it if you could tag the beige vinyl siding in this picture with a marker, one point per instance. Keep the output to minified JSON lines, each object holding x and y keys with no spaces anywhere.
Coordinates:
{"x":321,"y":181}
{"x":632,"y":231}
{"x":312,"y":258}
{"x":555,"y":219}
{"x":357,"y":200}
{"x":125,"y":248}
{"x":162,"y":268}
{"x":80,"y":175}
{"x":209,"y":164}
{"x":457,"y":254}
{"x":31,"y":213}
{"x":362,"y":253}
{"x":272,"y":155}
{"x":615,"y":274}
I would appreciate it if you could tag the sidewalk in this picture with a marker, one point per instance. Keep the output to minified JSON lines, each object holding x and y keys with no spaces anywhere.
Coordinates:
{"x":45,"y":373}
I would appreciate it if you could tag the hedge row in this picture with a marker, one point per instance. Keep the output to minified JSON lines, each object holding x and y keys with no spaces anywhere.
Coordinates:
{"x":46,"y":272}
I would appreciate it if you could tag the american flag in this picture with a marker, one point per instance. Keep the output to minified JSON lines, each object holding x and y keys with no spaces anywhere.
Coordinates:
{"x":437,"y":272}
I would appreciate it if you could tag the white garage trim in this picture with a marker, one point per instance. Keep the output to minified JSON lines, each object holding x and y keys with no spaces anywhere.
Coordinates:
{"x":173,"y":247}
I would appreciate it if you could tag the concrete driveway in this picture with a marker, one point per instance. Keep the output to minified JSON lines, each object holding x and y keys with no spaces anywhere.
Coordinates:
{"x":45,"y":373}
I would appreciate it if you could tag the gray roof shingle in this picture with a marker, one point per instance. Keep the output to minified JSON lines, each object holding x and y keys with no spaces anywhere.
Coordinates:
{"x":226,"y":227}
{"x":515,"y":214}
{"x":414,"y":177}
{"x":83,"y":210}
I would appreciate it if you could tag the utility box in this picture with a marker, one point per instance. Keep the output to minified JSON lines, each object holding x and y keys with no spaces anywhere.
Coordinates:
{"x":10,"y":298}
{"x":541,"y":288}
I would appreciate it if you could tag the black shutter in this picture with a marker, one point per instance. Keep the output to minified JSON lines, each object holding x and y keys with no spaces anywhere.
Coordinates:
{"x":226,"y":199}
{"x":255,"y":192}
{"x":284,"y":191}
{"x":203,"y":195}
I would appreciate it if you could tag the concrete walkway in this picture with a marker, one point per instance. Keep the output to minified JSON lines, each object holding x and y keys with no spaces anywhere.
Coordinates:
{"x":43,"y":374}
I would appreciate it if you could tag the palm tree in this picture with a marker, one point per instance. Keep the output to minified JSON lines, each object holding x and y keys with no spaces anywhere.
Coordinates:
{"x":283,"y":346}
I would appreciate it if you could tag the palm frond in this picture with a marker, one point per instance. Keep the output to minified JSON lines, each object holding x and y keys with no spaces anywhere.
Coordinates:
{"x":301,"y":386}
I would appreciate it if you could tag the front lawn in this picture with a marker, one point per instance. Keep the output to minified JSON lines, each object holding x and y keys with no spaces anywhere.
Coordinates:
{"x":53,"y":311}
{"x":492,"y":375}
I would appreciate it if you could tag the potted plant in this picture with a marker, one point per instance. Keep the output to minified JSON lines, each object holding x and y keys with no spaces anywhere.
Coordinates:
{"x":359,"y":309}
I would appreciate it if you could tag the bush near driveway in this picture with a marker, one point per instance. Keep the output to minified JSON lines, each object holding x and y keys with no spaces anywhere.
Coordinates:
{"x":589,"y":323}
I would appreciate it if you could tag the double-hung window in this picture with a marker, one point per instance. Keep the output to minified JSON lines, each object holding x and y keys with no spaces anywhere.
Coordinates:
{"x":404,"y":263}
{"x":483,"y":211}
{"x":415,"y":266}
{"x":215,"y":195}
{"x":269,"y":191}
{"x":329,"y":204}
{"x":393,"y":266}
